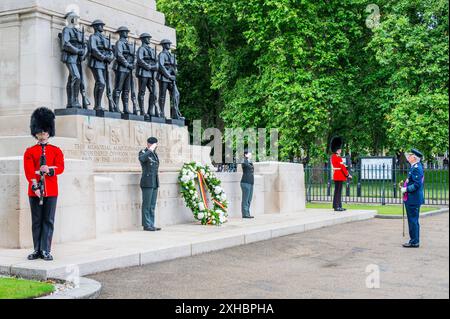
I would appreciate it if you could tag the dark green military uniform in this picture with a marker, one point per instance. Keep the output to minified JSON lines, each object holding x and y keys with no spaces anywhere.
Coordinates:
{"x":149,"y":185}
{"x":247,"y":182}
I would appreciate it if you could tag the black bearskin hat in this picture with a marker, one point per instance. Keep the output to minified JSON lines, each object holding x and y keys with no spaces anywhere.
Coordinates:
{"x":42,"y":120}
{"x":336,"y":143}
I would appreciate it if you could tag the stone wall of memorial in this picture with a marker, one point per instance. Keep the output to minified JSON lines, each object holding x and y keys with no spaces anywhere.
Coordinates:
{"x":99,"y":190}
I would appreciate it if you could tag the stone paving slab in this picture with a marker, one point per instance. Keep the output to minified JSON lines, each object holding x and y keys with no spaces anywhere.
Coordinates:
{"x":136,"y":248}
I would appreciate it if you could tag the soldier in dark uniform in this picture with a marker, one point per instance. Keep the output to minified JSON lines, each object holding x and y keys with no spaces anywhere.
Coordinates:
{"x":413,"y":192}
{"x":149,"y":183}
{"x":73,"y":53}
{"x":123,"y":67}
{"x":167,"y":80}
{"x":147,"y":65}
{"x":101,"y":55}
{"x":43,"y":162}
{"x":247,"y":182}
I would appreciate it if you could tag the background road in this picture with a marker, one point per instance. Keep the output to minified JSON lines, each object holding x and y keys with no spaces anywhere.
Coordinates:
{"x":324,"y":263}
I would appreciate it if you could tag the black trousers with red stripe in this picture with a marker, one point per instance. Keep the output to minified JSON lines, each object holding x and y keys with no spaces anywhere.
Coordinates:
{"x":337,"y":199}
{"x":43,"y":220}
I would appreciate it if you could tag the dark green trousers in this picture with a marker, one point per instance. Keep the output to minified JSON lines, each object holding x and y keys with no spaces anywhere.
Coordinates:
{"x":247,"y":195}
{"x":149,"y":197}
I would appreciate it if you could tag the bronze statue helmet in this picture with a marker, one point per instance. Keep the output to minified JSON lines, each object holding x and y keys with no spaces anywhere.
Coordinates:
{"x":166,"y":41}
{"x":123,"y":29}
{"x":72,"y":14}
{"x":97,"y":22}
{"x":145,"y":35}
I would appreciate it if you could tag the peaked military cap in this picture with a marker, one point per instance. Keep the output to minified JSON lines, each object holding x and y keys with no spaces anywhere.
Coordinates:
{"x":417,"y":153}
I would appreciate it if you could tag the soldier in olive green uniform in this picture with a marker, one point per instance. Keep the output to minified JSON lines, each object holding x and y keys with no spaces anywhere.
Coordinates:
{"x":149,"y":183}
{"x":247,"y":182}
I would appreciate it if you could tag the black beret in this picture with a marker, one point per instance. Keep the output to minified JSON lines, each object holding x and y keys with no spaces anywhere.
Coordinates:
{"x":152,"y":140}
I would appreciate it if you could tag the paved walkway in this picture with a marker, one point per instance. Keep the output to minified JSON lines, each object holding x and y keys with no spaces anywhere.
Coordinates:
{"x":324,"y":263}
{"x":140,"y":248}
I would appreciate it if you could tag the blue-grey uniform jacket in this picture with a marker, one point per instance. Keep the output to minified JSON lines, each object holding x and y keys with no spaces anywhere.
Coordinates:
{"x":415,"y":185}
{"x":150,"y":165}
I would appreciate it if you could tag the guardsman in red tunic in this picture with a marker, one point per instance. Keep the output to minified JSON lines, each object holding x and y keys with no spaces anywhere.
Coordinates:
{"x":340,"y":172}
{"x":43,"y":162}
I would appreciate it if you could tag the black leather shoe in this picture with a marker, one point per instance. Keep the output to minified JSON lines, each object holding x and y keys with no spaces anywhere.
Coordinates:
{"x":152,"y":229}
{"x":343,"y":209}
{"x":35,"y":255}
{"x":248,"y":217}
{"x":409,"y":245}
{"x":46,"y":256}
{"x":338,"y":209}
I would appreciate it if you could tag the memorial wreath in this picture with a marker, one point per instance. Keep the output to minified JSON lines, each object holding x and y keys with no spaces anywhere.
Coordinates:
{"x":196,"y":180}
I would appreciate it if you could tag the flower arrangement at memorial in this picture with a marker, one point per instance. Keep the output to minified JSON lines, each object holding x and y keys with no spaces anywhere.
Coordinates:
{"x":196,"y":180}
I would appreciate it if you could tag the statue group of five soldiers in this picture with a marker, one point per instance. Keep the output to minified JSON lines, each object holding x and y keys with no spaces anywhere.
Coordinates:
{"x":126,"y":57}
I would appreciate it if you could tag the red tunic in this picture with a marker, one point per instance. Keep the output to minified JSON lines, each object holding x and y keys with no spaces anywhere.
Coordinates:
{"x":55,"y":161}
{"x":340,"y":172}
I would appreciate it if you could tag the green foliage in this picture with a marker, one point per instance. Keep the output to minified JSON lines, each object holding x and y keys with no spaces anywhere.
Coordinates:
{"x":313,"y":69}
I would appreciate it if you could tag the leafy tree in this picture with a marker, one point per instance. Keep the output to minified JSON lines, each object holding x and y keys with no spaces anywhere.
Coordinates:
{"x":313,"y":69}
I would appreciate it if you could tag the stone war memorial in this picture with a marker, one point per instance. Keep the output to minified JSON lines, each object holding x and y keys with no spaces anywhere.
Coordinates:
{"x":105,"y":112}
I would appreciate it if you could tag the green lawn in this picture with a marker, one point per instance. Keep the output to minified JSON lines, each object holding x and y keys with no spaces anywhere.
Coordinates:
{"x":382,"y":210}
{"x":12,"y":288}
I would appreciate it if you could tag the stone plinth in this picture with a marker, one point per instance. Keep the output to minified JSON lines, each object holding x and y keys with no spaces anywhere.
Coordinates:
{"x":284,"y":186}
{"x":111,"y":144}
{"x":75,"y":219}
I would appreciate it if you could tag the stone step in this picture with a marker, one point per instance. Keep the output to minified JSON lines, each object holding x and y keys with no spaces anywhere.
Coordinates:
{"x":139,"y":248}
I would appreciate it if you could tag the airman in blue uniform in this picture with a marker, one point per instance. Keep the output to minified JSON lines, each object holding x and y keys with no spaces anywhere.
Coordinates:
{"x":414,"y":196}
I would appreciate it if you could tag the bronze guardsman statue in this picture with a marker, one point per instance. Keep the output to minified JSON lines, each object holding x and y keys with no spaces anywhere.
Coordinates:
{"x":74,"y":52}
{"x":167,"y":80}
{"x":147,"y":66}
{"x":101,"y":56}
{"x":123,"y":67}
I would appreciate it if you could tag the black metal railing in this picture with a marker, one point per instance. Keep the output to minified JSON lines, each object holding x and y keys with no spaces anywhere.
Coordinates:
{"x":375,"y":184}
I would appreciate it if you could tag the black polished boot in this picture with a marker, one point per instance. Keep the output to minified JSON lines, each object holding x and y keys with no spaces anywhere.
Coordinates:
{"x":35,"y":255}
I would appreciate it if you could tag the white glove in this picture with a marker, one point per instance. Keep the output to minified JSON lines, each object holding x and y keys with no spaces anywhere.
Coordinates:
{"x":404,"y":190}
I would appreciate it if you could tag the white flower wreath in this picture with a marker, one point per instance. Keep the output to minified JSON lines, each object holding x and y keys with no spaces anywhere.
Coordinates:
{"x":193,"y":174}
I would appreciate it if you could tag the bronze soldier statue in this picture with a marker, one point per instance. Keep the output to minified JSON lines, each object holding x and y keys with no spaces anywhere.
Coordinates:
{"x":167,"y":80}
{"x":123,"y":67}
{"x":101,"y":56}
{"x":147,"y":66}
{"x":74,"y":52}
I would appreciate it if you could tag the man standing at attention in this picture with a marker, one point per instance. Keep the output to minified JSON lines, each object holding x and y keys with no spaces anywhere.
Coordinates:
{"x":149,"y":183}
{"x":247,"y":182}
{"x":43,"y":162}
{"x":414,"y":196}
{"x":340,"y":172}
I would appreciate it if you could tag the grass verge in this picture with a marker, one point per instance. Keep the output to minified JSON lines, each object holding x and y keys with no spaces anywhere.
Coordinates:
{"x":382,"y":210}
{"x":13,"y":288}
